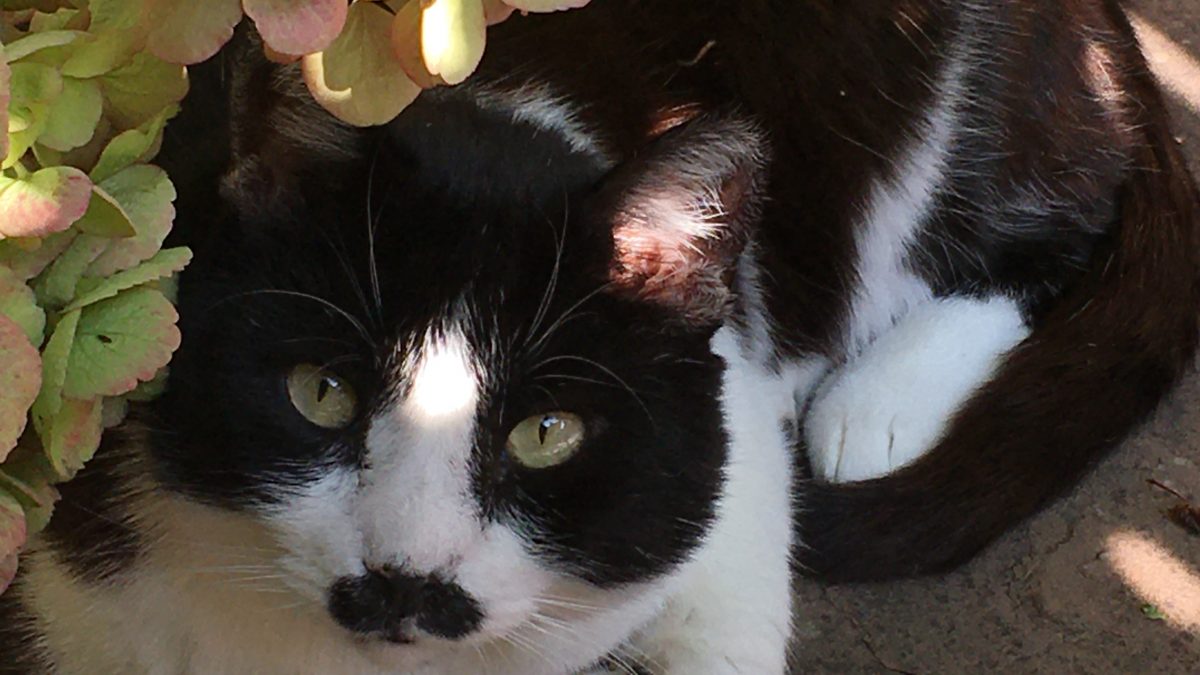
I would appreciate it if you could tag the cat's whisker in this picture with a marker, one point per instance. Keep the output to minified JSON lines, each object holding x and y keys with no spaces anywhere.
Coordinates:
{"x":607,"y":371}
{"x":350,"y":318}
{"x":551,"y":285}
{"x":564,"y":317}
{"x":372,"y":224}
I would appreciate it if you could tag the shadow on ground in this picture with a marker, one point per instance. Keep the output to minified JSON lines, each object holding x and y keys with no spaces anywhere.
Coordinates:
{"x":1101,"y":582}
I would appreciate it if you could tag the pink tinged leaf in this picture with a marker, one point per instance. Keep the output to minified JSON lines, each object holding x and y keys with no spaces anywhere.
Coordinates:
{"x":120,"y":342}
{"x":20,"y":380}
{"x":297,"y":27}
{"x":453,"y":33}
{"x":8,"y":571}
{"x":18,"y":303}
{"x":47,"y":201}
{"x":358,"y":78}
{"x":190,"y":31}
{"x":29,"y":261}
{"x":12,"y":537}
{"x":5,"y":95}
{"x":496,"y":11}
{"x":545,"y":5}
{"x":74,"y":436}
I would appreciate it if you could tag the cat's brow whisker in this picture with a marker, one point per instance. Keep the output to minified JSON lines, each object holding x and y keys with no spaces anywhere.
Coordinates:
{"x":339,"y":250}
{"x":562,"y":318}
{"x":372,"y":223}
{"x":607,"y":371}
{"x":358,"y":325}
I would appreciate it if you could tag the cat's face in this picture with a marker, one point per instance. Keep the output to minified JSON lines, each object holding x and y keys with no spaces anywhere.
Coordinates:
{"x":462,"y":401}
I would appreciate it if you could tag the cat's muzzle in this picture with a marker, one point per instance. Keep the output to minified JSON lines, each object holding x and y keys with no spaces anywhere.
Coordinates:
{"x":399,"y":607}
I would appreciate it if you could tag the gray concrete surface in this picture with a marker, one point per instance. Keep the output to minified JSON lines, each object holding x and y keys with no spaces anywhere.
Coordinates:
{"x":1067,"y":592}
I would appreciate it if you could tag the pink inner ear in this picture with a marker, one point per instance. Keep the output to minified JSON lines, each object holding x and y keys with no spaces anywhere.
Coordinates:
{"x":676,"y":265}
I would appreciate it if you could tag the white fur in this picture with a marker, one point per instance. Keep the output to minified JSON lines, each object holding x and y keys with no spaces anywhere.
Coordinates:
{"x":732,"y":612}
{"x":895,"y":210}
{"x":892,"y":403}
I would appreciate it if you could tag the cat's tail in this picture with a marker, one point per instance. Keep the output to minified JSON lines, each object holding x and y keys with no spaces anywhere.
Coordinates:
{"x":1093,"y":369}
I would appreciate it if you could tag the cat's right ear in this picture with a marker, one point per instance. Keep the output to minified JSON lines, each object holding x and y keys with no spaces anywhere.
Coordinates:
{"x":682,"y":212}
{"x":278,"y":134}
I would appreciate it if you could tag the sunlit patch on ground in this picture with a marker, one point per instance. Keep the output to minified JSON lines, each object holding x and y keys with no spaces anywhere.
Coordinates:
{"x":1157,"y":576}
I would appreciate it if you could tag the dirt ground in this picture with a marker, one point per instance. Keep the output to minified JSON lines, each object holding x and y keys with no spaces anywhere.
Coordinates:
{"x":1101,"y":582}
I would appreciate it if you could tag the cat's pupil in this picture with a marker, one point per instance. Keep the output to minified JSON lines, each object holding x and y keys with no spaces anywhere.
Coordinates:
{"x":323,"y":389}
{"x":548,"y":422}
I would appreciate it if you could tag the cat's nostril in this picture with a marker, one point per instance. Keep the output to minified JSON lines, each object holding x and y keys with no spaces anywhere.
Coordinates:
{"x":391,"y":603}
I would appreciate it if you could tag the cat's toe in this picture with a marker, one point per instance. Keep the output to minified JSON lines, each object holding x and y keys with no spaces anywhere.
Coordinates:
{"x":892,"y":403}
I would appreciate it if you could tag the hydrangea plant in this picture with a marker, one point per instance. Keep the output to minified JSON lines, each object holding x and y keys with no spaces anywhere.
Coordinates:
{"x":87,"y":322}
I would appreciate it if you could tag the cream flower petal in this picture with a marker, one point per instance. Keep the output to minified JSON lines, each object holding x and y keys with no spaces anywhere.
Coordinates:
{"x":545,"y":5}
{"x":358,"y":78}
{"x":453,"y":33}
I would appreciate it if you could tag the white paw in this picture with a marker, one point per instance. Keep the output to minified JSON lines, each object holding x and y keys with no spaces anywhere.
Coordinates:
{"x":892,"y":403}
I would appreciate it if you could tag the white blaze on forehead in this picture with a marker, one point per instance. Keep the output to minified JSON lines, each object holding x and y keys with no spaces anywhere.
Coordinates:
{"x":444,"y":381}
{"x":417,"y":506}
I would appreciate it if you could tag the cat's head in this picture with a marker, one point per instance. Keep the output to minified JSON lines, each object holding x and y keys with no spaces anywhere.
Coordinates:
{"x":459,"y":365}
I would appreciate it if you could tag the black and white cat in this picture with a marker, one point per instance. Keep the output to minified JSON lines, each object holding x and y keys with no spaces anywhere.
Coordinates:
{"x":568,"y":368}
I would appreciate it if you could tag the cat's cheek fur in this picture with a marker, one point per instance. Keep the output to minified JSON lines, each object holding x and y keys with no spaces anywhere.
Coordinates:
{"x":732,"y":608}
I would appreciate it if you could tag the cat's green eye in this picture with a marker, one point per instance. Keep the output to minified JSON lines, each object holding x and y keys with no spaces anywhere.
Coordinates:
{"x":546,"y":440}
{"x":322,"y":397}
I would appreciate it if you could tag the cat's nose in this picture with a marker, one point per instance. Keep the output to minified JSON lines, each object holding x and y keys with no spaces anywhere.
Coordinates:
{"x":395,"y":605}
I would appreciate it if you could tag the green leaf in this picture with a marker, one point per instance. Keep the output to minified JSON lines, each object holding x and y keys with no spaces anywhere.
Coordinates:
{"x":27,"y":477}
{"x":105,"y":217}
{"x":146,"y":194}
{"x":74,"y":116}
{"x":35,"y":42}
{"x":62,"y":19}
{"x":56,"y":286}
{"x":19,"y":304}
{"x":162,"y":264}
{"x":136,"y":92}
{"x":297,"y":27}
{"x":130,"y":147}
{"x":102,"y":52}
{"x":74,"y":436}
{"x":119,"y":342}
{"x":44,"y":202}
{"x":20,"y":380}
{"x":55,"y":358}
{"x":1153,"y":613}
{"x":32,"y":87}
{"x":187,"y":31}
{"x":115,"y":35}
{"x":359,"y":78}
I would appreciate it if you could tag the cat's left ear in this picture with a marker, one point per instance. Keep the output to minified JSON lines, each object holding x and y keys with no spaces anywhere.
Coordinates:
{"x":682,"y":214}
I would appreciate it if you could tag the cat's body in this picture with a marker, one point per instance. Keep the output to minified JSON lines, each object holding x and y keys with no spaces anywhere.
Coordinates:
{"x":946,"y":246}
